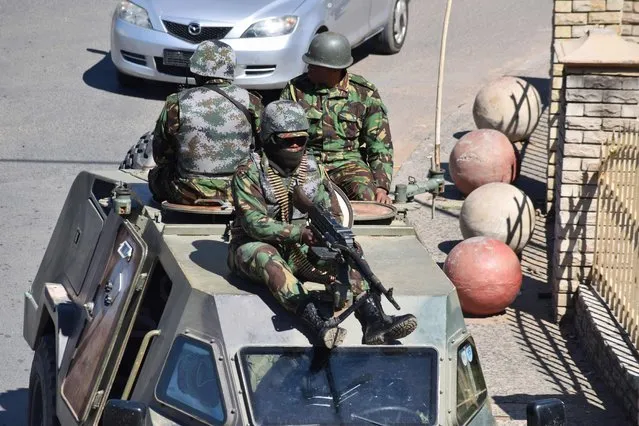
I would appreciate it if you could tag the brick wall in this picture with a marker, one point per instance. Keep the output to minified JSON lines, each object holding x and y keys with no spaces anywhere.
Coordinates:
{"x":630,"y":20}
{"x":599,"y":94}
{"x":595,"y":101}
{"x":571,"y":20}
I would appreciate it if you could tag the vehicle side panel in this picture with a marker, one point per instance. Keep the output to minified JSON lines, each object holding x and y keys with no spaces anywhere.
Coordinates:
{"x":83,"y":235}
{"x":348,"y":17}
{"x":92,"y":350}
{"x":380,"y":10}
{"x":58,"y":258}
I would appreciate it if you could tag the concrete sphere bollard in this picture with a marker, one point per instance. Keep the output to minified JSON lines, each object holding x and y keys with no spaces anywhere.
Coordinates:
{"x":486,"y":273}
{"x":510,"y":105}
{"x":480,"y":157}
{"x":501,"y":211}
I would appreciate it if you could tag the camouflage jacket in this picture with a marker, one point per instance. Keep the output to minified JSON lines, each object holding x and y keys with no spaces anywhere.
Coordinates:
{"x":258,"y":216}
{"x":348,"y":121}
{"x":168,"y":133}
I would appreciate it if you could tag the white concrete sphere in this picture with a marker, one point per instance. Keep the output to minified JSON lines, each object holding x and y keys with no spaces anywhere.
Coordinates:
{"x":510,"y":105}
{"x":501,"y":211}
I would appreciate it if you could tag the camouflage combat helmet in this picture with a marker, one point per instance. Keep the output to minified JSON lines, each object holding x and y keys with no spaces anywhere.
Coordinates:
{"x":330,"y":50}
{"x":213,"y":58}
{"x":286,"y":119}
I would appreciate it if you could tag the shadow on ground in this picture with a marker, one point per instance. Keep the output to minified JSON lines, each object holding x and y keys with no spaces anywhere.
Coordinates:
{"x":461,"y":134}
{"x":557,"y":355}
{"x":515,"y":406}
{"x":102,"y":76}
{"x":447,"y":246}
{"x":13,"y":407}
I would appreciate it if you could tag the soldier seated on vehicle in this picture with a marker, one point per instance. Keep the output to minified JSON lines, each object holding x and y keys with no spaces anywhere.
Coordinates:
{"x":270,"y":239}
{"x":203,"y":132}
{"x":349,"y":130}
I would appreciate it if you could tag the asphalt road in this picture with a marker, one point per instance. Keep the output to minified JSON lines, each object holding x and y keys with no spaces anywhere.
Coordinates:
{"x":61,"y":111}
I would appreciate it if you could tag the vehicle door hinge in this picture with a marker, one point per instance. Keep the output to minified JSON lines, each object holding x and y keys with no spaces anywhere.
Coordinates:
{"x":97,"y":399}
{"x":139,"y":285}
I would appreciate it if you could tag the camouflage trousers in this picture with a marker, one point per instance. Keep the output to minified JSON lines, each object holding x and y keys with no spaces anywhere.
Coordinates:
{"x":262,"y":263}
{"x":166,"y":185}
{"x":354,"y":177}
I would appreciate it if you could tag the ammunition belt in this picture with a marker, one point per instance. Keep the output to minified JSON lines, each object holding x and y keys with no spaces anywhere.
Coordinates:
{"x":304,"y":267}
{"x":282,"y":194}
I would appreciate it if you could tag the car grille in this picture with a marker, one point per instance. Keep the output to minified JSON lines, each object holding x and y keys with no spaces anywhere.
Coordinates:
{"x":207,"y":33}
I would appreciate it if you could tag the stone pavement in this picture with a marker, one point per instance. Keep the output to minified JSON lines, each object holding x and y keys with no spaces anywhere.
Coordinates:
{"x":525,"y":355}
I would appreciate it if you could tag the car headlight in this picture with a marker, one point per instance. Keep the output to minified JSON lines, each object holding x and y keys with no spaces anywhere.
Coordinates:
{"x":272,"y":27}
{"x":133,"y":14}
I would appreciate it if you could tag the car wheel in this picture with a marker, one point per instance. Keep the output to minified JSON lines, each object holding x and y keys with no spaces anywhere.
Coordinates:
{"x":392,"y":37}
{"x":42,"y":384}
{"x":126,"y":80}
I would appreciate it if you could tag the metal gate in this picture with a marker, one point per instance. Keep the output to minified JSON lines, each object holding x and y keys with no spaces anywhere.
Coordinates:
{"x":616,"y":261}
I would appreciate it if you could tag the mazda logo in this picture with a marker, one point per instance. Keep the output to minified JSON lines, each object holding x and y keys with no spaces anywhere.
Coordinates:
{"x":194,"y":28}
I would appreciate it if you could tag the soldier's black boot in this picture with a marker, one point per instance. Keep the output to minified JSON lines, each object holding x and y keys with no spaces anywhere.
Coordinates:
{"x":379,"y":328}
{"x":329,"y":336}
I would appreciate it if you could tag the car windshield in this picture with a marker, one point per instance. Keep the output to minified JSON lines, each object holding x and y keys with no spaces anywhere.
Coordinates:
{"x":364,"y":385}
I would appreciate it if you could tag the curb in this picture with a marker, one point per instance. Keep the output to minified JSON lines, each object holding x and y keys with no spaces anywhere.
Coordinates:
{"x":603,"y":340}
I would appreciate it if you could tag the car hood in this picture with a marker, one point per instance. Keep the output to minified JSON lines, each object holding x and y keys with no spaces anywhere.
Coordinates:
{"x":222,"y":11}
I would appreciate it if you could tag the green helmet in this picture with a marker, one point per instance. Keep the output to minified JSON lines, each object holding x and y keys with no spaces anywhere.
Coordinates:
{"x":285,"y":119}
{"x":330,"y":50}
{"x":213,"y":58}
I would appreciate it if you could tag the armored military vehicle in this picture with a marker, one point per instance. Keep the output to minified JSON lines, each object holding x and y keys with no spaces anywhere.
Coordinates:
{"x":135,"y":319}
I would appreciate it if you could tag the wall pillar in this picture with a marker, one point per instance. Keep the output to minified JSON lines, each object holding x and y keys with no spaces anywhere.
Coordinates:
{"x":571,"y":20}
{"x":600,"y":94}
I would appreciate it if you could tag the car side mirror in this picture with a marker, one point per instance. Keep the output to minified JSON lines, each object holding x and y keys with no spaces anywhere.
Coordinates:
{"x":546,"y":412}
{"x":119,"y":412}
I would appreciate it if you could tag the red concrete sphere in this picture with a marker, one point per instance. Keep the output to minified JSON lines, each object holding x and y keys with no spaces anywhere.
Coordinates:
{"x":486,"y":273}
{"x":482,"y":156}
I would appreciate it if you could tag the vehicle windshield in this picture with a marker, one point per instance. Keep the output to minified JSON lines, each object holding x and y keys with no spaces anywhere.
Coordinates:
{"x":389,"y":385}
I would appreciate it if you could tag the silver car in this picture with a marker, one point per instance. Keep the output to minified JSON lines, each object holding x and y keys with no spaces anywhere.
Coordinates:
{"x":153,"y":39}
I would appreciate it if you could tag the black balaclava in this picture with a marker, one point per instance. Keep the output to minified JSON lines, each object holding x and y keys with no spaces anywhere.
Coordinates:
{"x":282,"y":160}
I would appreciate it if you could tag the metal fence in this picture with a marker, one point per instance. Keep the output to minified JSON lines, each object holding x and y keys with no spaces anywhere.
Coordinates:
{"x":616,"y":262}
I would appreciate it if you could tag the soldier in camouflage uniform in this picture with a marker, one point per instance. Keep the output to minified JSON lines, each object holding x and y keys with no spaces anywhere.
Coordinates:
{"x":270,"y":239}
{"x":204,"y":132}
{"x":349,"y":130}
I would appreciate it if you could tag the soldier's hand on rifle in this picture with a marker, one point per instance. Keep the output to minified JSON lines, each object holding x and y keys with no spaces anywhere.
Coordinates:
{"x":308,"y":237}
{"x":381,"y":196}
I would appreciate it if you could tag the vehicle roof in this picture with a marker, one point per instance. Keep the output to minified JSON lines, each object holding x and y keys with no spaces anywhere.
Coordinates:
{"x":399,"y":262}
{"x":244,"y":313}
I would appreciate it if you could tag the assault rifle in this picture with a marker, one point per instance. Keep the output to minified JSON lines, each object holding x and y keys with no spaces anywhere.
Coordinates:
{"x":339,"y":245}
